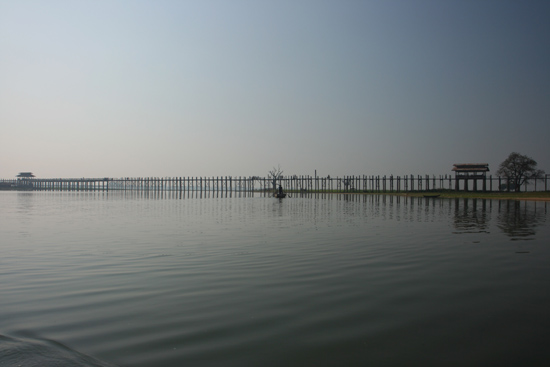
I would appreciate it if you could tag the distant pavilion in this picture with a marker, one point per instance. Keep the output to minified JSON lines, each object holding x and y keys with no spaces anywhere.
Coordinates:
{"x":25,"y":175}
{"x":24,"y":179}
{"x":470,"y":171}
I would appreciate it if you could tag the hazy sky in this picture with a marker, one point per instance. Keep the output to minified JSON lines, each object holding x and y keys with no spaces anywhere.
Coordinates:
{"x":235,"y":87}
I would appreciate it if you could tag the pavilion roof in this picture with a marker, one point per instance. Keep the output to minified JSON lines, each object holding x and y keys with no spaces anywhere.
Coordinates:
{"x":25,"y":174}
{"x":471,"y":167}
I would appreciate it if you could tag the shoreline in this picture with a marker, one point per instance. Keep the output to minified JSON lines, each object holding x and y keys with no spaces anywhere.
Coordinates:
{"x":531,"y":195}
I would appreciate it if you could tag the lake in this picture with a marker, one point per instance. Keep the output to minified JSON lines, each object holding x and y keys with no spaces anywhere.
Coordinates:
{"x":149,"y":279}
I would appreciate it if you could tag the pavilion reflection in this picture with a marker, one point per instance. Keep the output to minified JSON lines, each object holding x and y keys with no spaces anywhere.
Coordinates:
{"x":516,"y":219}
{"x":472,"y":215}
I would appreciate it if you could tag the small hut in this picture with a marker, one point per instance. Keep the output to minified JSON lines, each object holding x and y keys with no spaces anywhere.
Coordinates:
{"x":470,"y":171}
{"x":24,"y":180}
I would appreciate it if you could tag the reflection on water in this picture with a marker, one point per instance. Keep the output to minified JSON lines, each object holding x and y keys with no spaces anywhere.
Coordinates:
{"x":519,"y":221}
{"x":163,"y":279}
{"x":472,"y":215}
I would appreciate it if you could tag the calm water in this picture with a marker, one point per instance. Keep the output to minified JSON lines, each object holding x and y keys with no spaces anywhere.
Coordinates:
{"x":97,"y":279}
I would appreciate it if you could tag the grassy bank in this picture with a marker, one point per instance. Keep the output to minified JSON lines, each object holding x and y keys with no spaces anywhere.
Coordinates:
{"x":538,"y":195}
{"x":450,"y":194}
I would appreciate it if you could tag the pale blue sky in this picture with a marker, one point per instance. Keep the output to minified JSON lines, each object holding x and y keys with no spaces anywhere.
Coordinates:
{"x":216,"y":88}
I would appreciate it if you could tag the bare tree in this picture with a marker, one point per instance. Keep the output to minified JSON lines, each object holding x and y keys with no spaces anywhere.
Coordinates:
{"x":274,"y":175}
{"x":519,"y":169}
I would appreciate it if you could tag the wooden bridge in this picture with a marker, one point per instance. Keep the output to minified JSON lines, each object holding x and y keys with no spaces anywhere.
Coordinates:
{"x":265,"y":184}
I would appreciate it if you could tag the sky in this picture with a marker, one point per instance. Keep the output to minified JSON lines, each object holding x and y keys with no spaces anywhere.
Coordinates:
{"x":165,"y":88}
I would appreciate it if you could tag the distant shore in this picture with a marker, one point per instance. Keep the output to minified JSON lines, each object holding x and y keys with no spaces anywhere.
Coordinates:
{"x":531,"y":195}
{"x":449,"y":194}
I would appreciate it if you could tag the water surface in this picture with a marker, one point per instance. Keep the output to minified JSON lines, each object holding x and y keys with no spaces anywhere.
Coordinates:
{"x":138,"y":279}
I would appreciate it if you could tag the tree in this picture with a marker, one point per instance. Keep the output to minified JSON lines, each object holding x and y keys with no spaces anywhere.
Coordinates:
{"x":274,"y":175}
{"x":519,"y":169}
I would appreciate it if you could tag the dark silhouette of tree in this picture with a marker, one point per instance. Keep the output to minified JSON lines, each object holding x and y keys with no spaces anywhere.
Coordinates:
{"x":519,"y":169}
{"x":274,"y":175}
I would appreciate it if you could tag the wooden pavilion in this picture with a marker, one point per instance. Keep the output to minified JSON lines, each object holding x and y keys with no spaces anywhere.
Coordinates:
{"x":24,"y":180}
{"x":25,"y":175}
{"x":470,"y":171}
